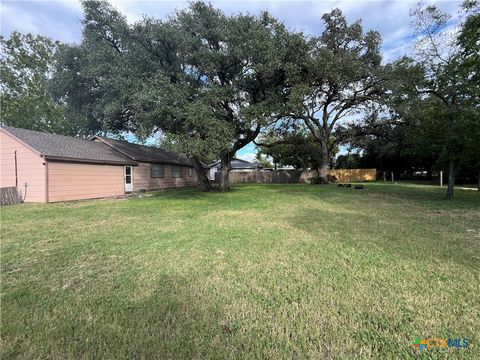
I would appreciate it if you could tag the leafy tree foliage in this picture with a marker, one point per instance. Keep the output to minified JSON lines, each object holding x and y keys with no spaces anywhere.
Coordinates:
{"x":452,"y":98}
{"x":26,"y":65}
{"x":340,"y":74}
{"x":209,"y":81}
{"x":263,"y":160}
{"x":213,"y":83}
{"x":430,"y":114}
{"x":297,"y":149}
{"x":468,"y":41}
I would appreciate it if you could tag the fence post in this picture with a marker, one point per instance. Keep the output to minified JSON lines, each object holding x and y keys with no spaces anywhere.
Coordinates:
{"x":441,"y":178}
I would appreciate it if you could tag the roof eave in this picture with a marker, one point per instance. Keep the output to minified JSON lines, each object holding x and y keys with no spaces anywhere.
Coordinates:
{"x":162,"y":162}
{"x":89,"y":161}
{"x":136,"y":158}
{"x":112,"y":146}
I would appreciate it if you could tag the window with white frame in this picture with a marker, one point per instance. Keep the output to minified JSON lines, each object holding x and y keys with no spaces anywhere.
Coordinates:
{"x":190,"y":172}
{"x":176,"y":171}
{"x":157,"y":171}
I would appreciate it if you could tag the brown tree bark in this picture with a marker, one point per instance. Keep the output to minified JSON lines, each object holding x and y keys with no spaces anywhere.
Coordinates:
{"x":451,"y":178}
{"x":225,"y":167}
{"x":203,"y":180}
{"x":227,"y":156}
{"x":323,"y":168}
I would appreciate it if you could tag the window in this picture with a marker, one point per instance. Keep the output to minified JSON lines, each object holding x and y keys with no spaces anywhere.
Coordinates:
{"x":190,"y":172}
{"x":176,"y":171}
{"x":157,"y":171}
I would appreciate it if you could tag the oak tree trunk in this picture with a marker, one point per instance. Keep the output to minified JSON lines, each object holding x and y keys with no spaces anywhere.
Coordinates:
{"x":203,"y":180}
{"x":323,"y":168}
{"x":225,"y":166}
{"x":451,"y":178}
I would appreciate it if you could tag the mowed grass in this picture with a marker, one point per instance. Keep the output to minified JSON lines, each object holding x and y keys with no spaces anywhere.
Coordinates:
{"x":263,"y":272}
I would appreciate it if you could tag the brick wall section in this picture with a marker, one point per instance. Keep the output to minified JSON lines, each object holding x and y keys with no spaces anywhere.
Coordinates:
{"x":142,"y":179}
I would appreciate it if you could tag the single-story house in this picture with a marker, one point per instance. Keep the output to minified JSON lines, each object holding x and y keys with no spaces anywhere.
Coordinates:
{"x":237,"y":165}
{"x":47,"y":167}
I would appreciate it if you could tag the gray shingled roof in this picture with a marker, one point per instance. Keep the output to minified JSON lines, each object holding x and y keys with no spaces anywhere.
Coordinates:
{"x":237,"y":163}
{"x":146,"y":153}
{"x":65,"y":147}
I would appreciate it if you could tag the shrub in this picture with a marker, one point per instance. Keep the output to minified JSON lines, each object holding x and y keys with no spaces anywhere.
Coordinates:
{"x":317,"y":180}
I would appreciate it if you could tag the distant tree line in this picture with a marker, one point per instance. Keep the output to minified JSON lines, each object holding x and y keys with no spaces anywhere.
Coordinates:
{"x":212,"y":83}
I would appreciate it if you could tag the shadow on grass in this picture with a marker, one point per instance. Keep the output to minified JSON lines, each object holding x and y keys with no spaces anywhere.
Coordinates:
{"x":112,"y":320}
{"x":264,"y":195}
{"x":190,"y":193}
{"x":432,"y":197}
{"x":171,"y":322}
{"x":424,"y":196}
{"x":178,"y":194}
{"x":421,"y":237}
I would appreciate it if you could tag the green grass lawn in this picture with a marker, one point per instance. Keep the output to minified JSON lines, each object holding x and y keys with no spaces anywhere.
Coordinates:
{"x":265,"y":271}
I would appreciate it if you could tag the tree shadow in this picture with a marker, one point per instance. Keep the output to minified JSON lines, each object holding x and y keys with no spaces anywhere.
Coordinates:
{"x":172,"y":321}
{"x":408,"y":237}
{"x":424,"y":196}
{"x":178,"y":193}
{"x":167,"y":320}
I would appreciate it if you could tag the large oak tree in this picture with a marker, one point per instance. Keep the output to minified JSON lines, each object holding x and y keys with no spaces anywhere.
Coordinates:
{"x":26,"y":65}
{"x":450,"y":88}
{"x":208,"y":81}
{"x":341,"y":74}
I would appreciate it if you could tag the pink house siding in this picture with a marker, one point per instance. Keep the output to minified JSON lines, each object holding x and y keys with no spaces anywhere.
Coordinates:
{"x":60,"y":168}
{"x":142,"y":179}
{"x":30,"y":169}
{"x":74,"y":181}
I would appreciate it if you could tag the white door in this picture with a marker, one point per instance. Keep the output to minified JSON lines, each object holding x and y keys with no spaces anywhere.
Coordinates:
{"x":128,"y":179}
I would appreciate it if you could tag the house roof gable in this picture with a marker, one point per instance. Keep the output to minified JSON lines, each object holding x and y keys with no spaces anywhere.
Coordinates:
{"x":144,"y":153}
{"x":237,"y":163}
{"x":66,"y":148}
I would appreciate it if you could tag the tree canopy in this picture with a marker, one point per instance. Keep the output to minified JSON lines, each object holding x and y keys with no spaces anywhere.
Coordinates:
{"x":211,"y":83}
{"x":340,"y":74}
{"x":428,"y":116}
{"x":207,"y":80}
{"x":26,"y":66}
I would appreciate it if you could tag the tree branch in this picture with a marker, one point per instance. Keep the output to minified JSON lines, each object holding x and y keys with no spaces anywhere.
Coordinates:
{"x":433,"y":92}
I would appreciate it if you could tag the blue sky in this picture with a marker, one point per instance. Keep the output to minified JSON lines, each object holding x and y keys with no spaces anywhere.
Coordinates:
{"x":60,"y":20}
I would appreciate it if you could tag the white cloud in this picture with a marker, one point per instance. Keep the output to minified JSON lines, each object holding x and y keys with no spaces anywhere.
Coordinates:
{"x":61,"y":19}
{"x":58,"y":20}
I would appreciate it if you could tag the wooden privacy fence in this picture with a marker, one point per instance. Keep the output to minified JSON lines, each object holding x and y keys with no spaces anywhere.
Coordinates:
{"x":346,"y":175}
{"x":9,"y":196}
{"x":296,"y":176}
